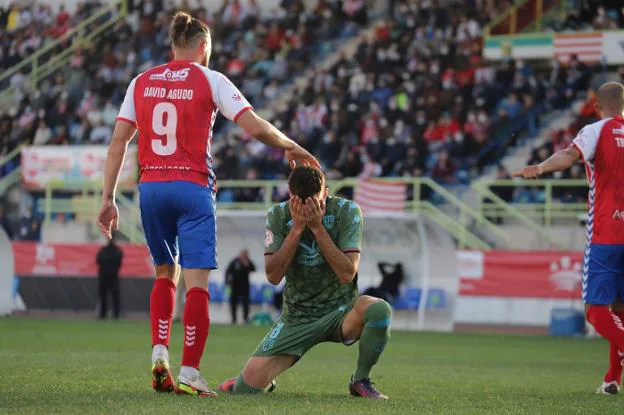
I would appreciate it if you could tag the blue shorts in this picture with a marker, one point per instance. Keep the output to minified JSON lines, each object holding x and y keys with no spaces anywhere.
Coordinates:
{"x":603,"y":274}
{"x":179,"y":214}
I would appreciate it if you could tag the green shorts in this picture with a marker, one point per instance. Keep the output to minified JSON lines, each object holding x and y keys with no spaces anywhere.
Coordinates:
{"x":295,"y":339}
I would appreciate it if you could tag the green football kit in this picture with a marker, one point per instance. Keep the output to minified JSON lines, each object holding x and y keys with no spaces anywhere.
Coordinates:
{"x":315,"y":301}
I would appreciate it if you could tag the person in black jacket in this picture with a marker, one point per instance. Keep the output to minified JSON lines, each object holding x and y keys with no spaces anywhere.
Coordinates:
{"x":392,"y":276}
{"x":237,"y":277}
{"x":109,"y":260}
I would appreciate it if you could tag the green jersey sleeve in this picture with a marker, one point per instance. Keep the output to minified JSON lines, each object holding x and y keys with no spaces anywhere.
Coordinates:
{"x":351,"y":223}
{"x":274,"y":234}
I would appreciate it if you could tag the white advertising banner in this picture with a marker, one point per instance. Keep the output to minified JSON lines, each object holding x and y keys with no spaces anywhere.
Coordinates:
{"x":72,"y":166}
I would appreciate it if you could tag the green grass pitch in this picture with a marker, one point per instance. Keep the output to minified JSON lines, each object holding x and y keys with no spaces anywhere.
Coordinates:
{"x":81,"y":367}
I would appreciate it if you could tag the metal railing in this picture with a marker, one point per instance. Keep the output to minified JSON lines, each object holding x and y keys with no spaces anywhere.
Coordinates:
{"x":524,"y":15}
{"x":475,"y":228}
{"x":12,"y":177}
{"x":538,"y":214}
{"x":48,"y":59}
{"x":453,"y":215}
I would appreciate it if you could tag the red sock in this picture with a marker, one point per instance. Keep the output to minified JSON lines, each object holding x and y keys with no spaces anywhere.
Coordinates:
{"x":607,"y":324}
{"x":161,"y":310}
{"x":196,"y":326}
{"x":615,"y":359}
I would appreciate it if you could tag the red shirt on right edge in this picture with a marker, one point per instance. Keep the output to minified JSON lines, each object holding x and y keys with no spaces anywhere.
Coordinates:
{"x":601,"y":145}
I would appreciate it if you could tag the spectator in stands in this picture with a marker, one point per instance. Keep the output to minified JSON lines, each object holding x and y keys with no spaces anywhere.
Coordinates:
{"x":109,"y":259}
{"x":392,"y":276}
{"x":576,"y":194}
{"x":502,"y":191}
{"x":444,"y":169}
{"x":237,"y":278}
{"x":414,"y":88}
{"x":29,"y":228}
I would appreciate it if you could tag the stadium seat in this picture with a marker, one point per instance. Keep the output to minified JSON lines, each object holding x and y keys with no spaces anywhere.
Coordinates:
{"x":267,"y":291}
{"x":436,"y":299}
{"x":409,"y":299}
{"x":255,"y":295}
{"x":216,"y":292}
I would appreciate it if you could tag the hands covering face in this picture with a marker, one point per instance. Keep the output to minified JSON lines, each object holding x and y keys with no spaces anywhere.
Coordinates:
{"x":307,"y":213}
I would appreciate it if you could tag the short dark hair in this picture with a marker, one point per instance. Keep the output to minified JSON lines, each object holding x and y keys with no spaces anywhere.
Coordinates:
{"x":305,"y":181}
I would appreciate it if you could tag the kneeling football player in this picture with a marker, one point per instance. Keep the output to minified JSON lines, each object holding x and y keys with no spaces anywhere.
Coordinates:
{"x":314,"y":241}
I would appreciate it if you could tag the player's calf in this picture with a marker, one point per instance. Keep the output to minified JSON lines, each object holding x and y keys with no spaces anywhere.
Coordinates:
{"x":230,"y":386}
{"x":258,"y":375}
{"x":373,"y":340}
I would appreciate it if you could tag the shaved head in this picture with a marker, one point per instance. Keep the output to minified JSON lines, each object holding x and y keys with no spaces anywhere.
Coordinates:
{"x":611,"y":99}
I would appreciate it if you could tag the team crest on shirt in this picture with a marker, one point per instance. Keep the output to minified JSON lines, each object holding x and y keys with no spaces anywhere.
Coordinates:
{"x":268,"y":238}
{"x":329,"y":221}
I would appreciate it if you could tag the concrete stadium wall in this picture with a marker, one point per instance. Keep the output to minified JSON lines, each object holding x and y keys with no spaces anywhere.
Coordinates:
{"x":509,"y":311}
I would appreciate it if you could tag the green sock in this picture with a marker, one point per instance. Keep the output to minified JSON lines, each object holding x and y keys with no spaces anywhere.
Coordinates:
{"x":243,"y":388}
{"x":374,"y":338}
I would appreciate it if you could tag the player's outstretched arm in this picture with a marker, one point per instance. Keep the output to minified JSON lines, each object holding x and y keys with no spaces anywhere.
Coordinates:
{"x":344,"y":265}
{"x":108,"y":217}
{"x":561,"y":160}
{"x":276,"y":263}
{"x":268,"y":134}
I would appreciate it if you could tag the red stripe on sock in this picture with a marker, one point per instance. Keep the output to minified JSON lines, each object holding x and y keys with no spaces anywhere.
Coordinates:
{"x":161,"y":310}
{"x":196,"y":326}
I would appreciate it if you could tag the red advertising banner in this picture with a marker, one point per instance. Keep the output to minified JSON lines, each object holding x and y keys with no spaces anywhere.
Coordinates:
{"x":76,"y":260}
{"x":534,"y":274}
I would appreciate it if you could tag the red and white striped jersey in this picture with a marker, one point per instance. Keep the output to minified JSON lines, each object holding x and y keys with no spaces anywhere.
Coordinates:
{"x":602,"y":147}
{"x":174,"y":107}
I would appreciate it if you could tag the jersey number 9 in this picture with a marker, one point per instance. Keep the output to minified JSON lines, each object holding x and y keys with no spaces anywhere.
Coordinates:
{"x":165,"y":128}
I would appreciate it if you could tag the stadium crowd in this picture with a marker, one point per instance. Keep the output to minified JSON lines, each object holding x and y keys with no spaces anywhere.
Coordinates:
{"x":594,"y":15}
{"x":78,"y":105}
{"x":414,"y":99}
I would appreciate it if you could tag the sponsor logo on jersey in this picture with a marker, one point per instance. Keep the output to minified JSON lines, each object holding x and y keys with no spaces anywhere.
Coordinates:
{"x":169,"y":75}
{"x":618,"y":214}
{"x":309,"y":255}
{"x":566,"y":274}
{"x":329,"y":221}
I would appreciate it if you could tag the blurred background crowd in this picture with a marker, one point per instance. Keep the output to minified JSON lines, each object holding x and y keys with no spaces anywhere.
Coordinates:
{"x":415,"y":98}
